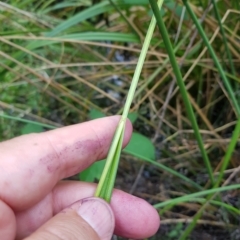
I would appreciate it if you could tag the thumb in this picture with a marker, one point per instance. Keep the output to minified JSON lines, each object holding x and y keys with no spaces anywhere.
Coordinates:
{"x":90,"y":218}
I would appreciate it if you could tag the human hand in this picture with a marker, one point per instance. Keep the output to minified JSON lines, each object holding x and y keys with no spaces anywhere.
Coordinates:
{"x":34,"y":203}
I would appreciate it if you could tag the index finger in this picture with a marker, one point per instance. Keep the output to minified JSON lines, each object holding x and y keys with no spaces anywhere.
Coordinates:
{"x":31,"y":165}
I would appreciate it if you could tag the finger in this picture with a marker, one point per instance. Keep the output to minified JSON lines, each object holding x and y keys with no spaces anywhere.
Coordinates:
{"x":135,"y":218}
{"x":90,"y":218}
{"x":7,"y":222}
{"x":32,"y":164}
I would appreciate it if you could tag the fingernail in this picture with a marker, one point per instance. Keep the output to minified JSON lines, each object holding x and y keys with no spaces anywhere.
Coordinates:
{"x":98,"y":214}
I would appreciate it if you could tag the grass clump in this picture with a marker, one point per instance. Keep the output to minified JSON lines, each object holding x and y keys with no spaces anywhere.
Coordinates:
{"x":59,"y":61}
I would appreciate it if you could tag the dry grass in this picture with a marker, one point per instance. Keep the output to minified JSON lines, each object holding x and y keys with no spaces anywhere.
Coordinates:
{"x":58,"y":80}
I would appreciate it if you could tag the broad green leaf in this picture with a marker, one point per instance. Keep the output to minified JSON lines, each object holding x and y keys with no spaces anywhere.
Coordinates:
{"x":31,"y":128}
{"x":133,"y":117}
{"x":93,"y":172}
{"x":94,"y":114}
{"x":141,"y":146}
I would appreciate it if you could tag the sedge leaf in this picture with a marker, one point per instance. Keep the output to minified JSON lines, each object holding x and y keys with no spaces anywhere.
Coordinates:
{"x":106,"y":183}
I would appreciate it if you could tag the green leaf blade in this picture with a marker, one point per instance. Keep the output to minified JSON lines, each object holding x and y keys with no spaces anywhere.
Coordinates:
{"x":141,"y":145}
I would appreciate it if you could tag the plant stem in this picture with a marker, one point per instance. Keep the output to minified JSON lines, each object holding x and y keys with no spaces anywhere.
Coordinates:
{"x":229,"y":152}
{"x":237,"y":128}
{"x":215,"y":59}
{"x":27,"y":121}
{"x":106,"y":183}
{"x":125,"y":18}
{"x":182,"y":87}
{"x":168,"y":169}
{"x":192,"y":196}
{"x":223,"y":36}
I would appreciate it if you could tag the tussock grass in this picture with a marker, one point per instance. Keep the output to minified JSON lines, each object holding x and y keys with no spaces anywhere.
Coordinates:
{"x":60,"y":60}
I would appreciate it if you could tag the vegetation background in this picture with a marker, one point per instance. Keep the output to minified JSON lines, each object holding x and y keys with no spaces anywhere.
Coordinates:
{"x":65,"y":62}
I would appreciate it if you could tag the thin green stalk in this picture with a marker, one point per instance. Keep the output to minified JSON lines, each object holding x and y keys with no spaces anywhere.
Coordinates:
{"x":235,"y":104}
{"x":199,"y":213}
{"x":167,"y":169}
{"x":103,"y":189}
{"x":203,"y":200}
{"x":215,"y":59}
{"x":106,"y":183}
{"x":182,"y":87}
{"x":192,"y":196}
{"x":27,"y":121}
{"x":229,"y":152}
{"x":200,"y":87}
{"x":223,"y":36}
{"x":125,"y":18}
{"x":106,"y":192}
{"x":226,"y":160}
{"x":159,"y":69}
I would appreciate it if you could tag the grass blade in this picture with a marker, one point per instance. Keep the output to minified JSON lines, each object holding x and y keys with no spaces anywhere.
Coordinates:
{"x":226,"y":160}
{"x":107,"y":179}
{"x":182,"y":87}
{"x":192,"y":196}
{"x":166,"y":169}
{"x":27,"y":121}
{"x":235,"y":104}
{"x":82,"y":16}
{"x":229,"y":152}
{"x":224,"y":37}
{"x":214,"y":57}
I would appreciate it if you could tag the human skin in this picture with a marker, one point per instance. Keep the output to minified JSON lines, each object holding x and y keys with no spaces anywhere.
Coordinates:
{"x":32,"y":168}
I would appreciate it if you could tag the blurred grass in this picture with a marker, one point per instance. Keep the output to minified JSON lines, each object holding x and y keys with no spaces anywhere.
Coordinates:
{"x":60,"y":59}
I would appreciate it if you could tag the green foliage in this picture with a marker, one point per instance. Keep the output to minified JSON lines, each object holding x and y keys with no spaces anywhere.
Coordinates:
{"x":90,"y":12}
{"x":95,"y":114}
{"x":31,"y":128}
{"x":140,"y":145}
{"x":133,"y":117}
{"x":93,"y":172}
{"x":182,"y":87}
{"x":136,"y":2}
{"x":176,"y":231}
{"x":61,"y":60}
{"x":176,"y":8}
{"x":102,"y":36}
{"x":45,"y":9}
